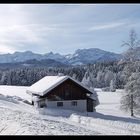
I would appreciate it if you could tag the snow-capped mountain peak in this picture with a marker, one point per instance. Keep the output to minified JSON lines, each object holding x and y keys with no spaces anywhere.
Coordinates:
{"x":91,"y":55}
{"x":81,"y":56}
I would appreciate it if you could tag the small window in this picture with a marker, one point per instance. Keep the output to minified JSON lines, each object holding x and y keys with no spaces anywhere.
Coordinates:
{"x":74,"y":103}
{"x":59,"y":104}
{"x":42,"y":103}
{"x":67,"y":93}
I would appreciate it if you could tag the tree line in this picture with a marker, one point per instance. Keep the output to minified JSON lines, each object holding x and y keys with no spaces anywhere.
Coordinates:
{"x":98,"y":75}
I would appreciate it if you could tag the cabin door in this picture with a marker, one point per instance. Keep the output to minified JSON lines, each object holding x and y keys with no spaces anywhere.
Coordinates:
{"x":89,"y":105}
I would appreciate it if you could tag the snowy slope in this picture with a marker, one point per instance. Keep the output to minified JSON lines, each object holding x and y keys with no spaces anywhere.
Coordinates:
{"x":18,"y":118}
{"x":19,"y":91}
{"x":85,"y":56}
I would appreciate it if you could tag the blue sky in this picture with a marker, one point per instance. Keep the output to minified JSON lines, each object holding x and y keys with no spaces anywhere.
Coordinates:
{"x":64,"y":28}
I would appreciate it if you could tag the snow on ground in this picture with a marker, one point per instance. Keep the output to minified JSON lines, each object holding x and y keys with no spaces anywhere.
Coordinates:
{"x":15,"y":121}
{"x":19,"y":91}
{"x":18,"y":118}
{"x":109,"y":102}
{"x":108,"y":118}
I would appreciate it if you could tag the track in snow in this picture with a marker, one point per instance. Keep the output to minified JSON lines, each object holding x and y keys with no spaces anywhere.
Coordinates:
{"x":21,"y":123}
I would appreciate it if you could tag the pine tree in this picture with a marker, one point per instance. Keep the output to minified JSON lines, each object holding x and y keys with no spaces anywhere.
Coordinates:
{"x":86,"y":80}
{"x":130,"y":101}
{"x":112,"y":86}
{"x":108,"y":77}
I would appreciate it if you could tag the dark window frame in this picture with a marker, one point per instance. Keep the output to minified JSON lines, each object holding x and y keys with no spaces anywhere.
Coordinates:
{"x":59,"y":104}
{"x":74,"y":103}
{"x":67,"y":93}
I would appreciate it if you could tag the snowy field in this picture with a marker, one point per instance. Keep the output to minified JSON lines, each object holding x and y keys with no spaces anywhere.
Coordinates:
{"x":19,"y":91}
{"x":18,"y":118}
{"x":109,"y":103}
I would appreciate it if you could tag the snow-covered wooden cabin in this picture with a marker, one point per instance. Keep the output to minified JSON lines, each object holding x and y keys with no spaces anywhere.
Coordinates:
{"x":62,"y":92}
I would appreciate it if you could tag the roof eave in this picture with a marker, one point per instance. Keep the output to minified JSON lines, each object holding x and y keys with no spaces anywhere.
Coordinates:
{"x":30,"y":92}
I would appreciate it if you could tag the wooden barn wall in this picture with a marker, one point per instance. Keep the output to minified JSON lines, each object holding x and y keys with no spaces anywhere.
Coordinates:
{"x":67,"y":90}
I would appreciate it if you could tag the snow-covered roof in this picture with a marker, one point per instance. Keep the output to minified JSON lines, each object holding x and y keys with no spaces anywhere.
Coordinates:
{"x":47,"y":83}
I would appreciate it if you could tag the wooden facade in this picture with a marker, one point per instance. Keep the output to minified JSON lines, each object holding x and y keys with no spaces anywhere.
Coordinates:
{"x":68,"y":90}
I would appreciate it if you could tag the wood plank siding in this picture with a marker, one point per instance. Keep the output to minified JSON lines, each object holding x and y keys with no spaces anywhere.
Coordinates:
{"x":68,"y":90}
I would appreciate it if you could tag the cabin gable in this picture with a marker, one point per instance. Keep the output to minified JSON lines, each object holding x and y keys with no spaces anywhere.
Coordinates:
{"x":68,"y":90}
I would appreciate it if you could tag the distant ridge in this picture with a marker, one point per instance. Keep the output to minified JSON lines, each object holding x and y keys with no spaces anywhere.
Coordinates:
{"x":81,"y":56}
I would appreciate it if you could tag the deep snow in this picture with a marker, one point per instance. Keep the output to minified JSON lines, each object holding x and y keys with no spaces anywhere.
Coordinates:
{"x":18,"y":118}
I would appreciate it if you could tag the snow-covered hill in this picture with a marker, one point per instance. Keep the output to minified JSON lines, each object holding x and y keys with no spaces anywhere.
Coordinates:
{"x":81,"y":56}
{"x":28,"y":55}
{"x":85,"y":56}
{"x":19,"y":118}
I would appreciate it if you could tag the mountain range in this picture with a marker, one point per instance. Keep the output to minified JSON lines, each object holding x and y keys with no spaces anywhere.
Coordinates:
{"x":79,"y":57}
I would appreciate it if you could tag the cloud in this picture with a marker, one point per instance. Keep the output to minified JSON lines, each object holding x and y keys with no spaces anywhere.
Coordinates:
{"x":6,"y":49}
{"x":64,"y":28}
{"x":105,"y":26}
{"x":31,"y":33}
